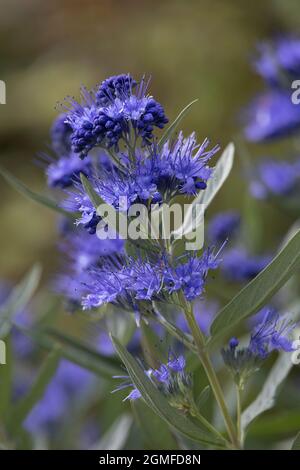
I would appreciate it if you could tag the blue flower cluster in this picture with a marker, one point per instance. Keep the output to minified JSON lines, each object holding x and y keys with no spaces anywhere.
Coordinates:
{"x":128,"y":280}
{"x":272,"y":333}
{"x":239,"y":265}
{"x":119,"y":109}
{"x":168,"y":378}
{"x":273,"y":114}
{"x":84,"y":252}
{"x":156,"y":175}
{"x":275,"y":178}
{"x":64,"y":167}
{"x":223,"y":226}
{"x":277,"y":59}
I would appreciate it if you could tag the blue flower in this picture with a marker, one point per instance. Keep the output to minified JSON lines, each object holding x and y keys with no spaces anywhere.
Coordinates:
{"x":271,"y":334}
{"x":117,"y":86}
{"x":125,"y":188}
{"x":275,"y":178}
{"x":239,"y":265}
{"x":83,"y":252}
{"x":176,"y":363}
{"x":144,"y":279}
{"x":190,"y":276}
{"x":127,"y":280}
{"x":79,"y":202}
{"x":133,"y":395}
{"x":170,"y":378}
{"x":102,"y":119}
{"x":272,"y":115}
{"x":62,"y":172}
{"x":222,"y":226}
{"x":279,"y":60}
{"x":162,"y":374}
{"x":123,"y":282}
{"x":185,"y":163}
{"x":60,"y":134}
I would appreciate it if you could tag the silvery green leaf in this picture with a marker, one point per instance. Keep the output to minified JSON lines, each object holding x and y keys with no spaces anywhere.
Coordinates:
{"x":18,"y":299}
{"x":156,"y":432}
{"x":116,"y":436}
{"x":96,"y":200}
{"x":23,"y":407}
{"x":39,"y":198}
{"x":266,"y":398}
{"x":195,"y":214}
{"x":296,"y":443}
{"x":74,"y":350}
{"x":203,"y":397}
{"x":257,"y":292}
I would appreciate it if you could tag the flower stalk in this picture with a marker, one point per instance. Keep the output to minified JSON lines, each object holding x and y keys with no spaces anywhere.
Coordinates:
{"x":210,"y":372}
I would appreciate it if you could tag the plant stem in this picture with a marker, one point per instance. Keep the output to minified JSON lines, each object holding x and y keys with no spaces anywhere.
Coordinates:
{"x":238,"y":413}
{"x":210,"y":372}
{"x":210,"y":427}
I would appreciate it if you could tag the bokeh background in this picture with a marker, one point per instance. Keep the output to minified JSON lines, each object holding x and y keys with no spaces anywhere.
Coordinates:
{"x":191,"y":48}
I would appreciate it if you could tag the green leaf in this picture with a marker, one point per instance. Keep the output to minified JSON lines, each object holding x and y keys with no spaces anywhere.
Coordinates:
{"x":5,"y":379}
{"x":151,"y":345}
{"x":116,"y":436}
{"x":75,"y":351}
{"x":156,"y":432}
{"x":274,"y":426}
{"x":266,"y":398}
{"x":204,"y":198}
{"x":171,"y":129}
{"x":203,"y":397}
{"x":261,"y":289}
{"x":296,"y":443}
{"x":18,"y":299}
{"x":23,"y":408}
{"x":159,"y":404}
{"x":96,"y":200}
{"x":39,"y":198}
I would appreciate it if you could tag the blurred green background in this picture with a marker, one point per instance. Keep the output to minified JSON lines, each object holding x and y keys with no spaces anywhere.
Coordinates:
{"x":191,"y":48}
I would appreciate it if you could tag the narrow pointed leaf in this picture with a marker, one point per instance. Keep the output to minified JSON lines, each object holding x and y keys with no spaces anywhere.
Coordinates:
{"x":203,"y":397}
{"x":75,"y":351}
{"x":296,"y":443}
{"x":260,"y":290}
{"x":172,"y":128}
{"x":266,"y":398}
{"x":94,"y":197}
{"x":116,"y":436}
{"x":156,"y":432}
{"x":18,"y":299}
{"x":39,"y":198}
{"x":23,"y":408}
